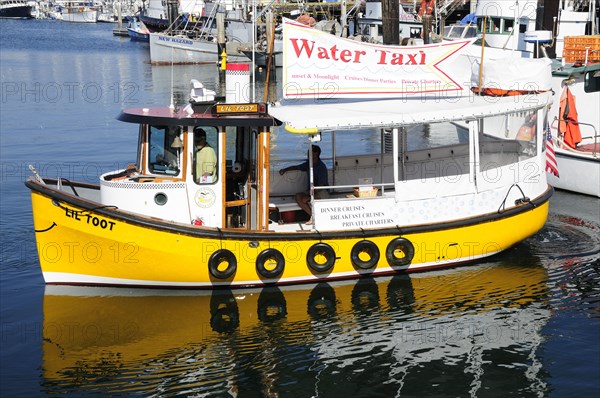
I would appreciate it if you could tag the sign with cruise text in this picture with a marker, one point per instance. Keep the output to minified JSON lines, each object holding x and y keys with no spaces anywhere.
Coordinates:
{"x":320,"y":65}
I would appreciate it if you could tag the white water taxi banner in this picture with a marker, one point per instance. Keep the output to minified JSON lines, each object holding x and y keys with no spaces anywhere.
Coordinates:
{"x":317,"y":64}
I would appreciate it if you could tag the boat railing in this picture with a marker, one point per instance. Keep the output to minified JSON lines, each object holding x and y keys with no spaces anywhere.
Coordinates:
{"x":349,"y":188}
{"x":595,"y":137}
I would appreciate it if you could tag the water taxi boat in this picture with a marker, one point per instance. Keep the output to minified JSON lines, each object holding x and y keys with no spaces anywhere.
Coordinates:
{"x":453,"y":179}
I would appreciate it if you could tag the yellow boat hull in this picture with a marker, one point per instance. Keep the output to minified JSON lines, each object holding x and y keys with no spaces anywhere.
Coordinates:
{"x":80,"y":244}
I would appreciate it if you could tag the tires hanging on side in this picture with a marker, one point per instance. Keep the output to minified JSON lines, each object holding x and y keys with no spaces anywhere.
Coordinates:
{"x":219,"y":257}
{"x":324,"y":250}
{"x":267,"y":255}
{"x":368,"y":247}
{"x":399,"y":245}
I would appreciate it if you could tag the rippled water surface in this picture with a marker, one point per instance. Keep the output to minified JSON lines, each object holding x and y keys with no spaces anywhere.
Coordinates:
{"x":524,"y":323}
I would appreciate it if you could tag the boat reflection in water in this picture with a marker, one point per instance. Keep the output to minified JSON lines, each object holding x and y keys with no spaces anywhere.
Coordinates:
{"x":462,"y":329}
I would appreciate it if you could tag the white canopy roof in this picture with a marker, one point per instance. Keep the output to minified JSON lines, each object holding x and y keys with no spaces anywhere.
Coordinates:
{"x":310,"y":116}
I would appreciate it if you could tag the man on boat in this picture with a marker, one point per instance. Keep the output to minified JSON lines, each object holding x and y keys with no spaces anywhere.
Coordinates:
{"x":206,"y":159}
{"x":319,"y":176}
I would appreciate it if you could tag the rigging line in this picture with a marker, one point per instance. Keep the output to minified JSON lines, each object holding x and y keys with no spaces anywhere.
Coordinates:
{"x":70,"y":184}
{"x":320,"y":235}
{"x":524,"y":199}
{"x":399,"y":229}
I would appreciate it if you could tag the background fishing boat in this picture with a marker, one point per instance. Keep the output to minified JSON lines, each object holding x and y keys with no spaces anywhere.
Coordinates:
{"x":16,"y":9}
{"x":78,"y":11}
{"x":138,"y":31}
{"x":203,"y":40}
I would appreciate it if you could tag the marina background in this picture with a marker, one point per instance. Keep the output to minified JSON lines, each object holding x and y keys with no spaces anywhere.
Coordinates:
{"x":523,"y":323}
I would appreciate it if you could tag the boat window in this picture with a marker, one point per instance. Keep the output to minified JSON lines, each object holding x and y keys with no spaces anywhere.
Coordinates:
{"x":435,"y":151}
{"x":471,"y":32}
{"x":522,"y":28}
{"x":493,"y":25}
{"x":592,"y":82}
{"x":205,"y":154}
{"x":415,"y":33}
{"x":165,"y":150}
{"x":507,"y":139}
{"x":239,"y":158}
{"x":452,"y":32}
{"x":508,"y":25}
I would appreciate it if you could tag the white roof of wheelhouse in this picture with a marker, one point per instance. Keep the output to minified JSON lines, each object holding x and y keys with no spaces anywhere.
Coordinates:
{"x":306,"y":116}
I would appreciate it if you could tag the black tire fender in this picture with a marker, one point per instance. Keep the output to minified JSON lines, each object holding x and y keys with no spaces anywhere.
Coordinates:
{"x":365,"y":246}
{"x":324,"y":250}
{"x":266,"y":255}
{"x":219,"y":257}
{"x":399,"y":245}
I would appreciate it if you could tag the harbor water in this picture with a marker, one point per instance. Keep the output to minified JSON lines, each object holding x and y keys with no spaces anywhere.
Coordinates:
{"x":524,"y":323}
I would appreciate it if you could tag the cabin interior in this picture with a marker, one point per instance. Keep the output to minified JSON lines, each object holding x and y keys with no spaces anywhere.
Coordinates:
{"x":241,"y":187}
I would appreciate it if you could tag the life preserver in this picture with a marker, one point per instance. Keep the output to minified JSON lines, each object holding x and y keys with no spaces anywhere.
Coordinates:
{"x":266,"y":255}
{"x":219,"y":257}
{"x":324,"y":250}
{"x":365,"y":246}
{"x":399,"y":245}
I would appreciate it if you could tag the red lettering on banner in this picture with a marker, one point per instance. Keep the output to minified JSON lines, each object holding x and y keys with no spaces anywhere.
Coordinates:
{"x":388,"y":57}
{"x":333,"y":52}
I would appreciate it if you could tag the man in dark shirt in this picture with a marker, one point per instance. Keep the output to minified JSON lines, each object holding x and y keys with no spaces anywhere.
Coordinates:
{"x":319,"y":177}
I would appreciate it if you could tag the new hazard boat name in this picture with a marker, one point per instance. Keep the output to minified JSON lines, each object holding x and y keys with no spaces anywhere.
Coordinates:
{"x":307,"y":48}
{"x":179,"y":40}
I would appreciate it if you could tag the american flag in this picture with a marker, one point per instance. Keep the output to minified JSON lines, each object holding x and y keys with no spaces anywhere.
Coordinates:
{"x":551,"y":165}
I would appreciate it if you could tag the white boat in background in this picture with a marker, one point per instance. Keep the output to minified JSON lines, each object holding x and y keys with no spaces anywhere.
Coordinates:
{"x":79,"y":11}
{"x":180,"y":48}
{"x":510,"y":31}
{"x":575,"y":127}
{"x":15,"y":9}
{"x":156,"y":14}
{"x":104,"y":15}
{"x":197,"y":42}
{"x":137,"y":31}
